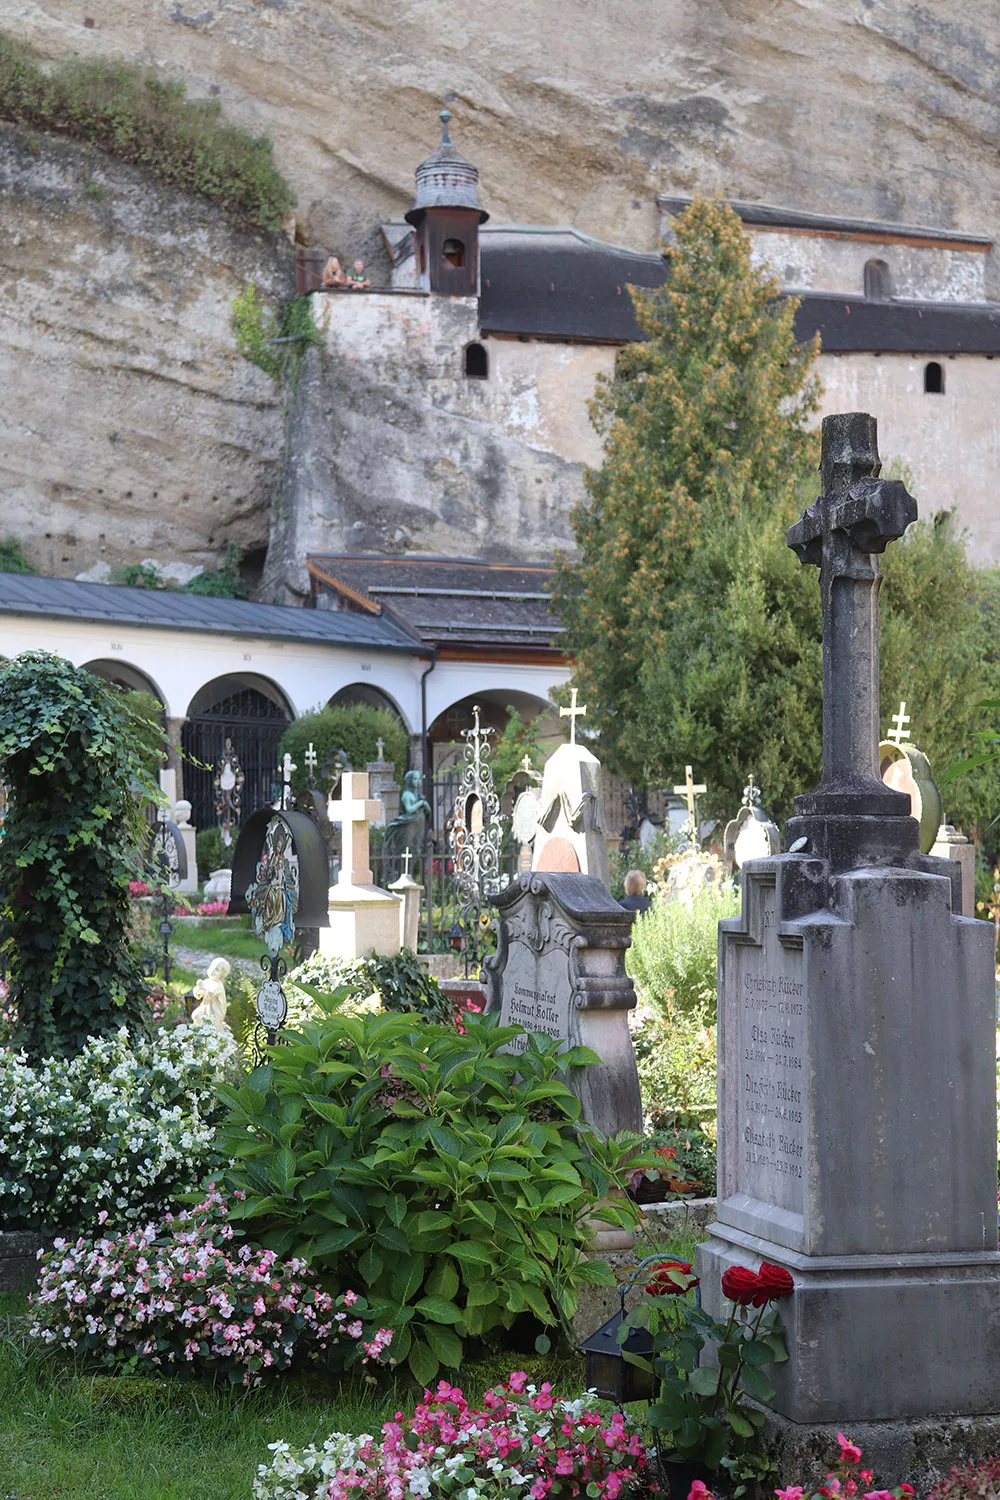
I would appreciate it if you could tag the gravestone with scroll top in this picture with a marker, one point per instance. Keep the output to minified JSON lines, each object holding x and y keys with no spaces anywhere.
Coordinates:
{"x":857,"y":1104}
{"x":559,"y":968}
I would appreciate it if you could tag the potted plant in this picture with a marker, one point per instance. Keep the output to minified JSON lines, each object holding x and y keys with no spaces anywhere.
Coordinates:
{"x":704,"y":1368}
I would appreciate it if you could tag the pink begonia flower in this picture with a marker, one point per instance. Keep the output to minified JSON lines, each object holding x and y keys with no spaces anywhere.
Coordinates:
{"x":792,"y":1492}
{"x":849,"y":1452}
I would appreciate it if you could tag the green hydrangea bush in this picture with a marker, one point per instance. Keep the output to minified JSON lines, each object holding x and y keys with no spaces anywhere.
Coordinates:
{"x":445,"y":1178}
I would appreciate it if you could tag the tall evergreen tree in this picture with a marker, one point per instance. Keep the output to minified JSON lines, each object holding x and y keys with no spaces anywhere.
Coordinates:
{"x":695,"y":631}
{"x":705,"y":427}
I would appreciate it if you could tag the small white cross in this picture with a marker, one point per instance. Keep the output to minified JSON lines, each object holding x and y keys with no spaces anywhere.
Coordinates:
{"x":690,"y":791}
{"x":899,"y":732}
{"x":380,"y":744}
{"x":572,"y":714}
{"x":406,"y":856}
{"x":526,"y":763}
{"x":354,"y":812}
{"x":311,"y":759}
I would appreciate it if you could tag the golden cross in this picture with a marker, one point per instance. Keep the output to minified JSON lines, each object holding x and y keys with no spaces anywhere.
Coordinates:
{"x":690,"y":791}
{"x":572,"y":714}
{"x":899,"y":732}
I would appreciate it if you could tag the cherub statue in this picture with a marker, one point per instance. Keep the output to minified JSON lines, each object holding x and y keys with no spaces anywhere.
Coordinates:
{"x":333,"y":275}
{"x":356,"y":276}
{"x":210,"y":993}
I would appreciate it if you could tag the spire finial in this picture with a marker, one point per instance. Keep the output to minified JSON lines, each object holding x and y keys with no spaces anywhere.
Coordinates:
{"x":445,"y":117}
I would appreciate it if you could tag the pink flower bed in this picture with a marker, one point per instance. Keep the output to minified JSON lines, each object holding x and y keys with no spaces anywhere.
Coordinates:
{"x":522,"y":1440}
{"x":185,"y":1293}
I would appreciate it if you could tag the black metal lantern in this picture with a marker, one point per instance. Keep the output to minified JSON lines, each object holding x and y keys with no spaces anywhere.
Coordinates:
{"x":608,"y":1372}
{"x":455,"y":936}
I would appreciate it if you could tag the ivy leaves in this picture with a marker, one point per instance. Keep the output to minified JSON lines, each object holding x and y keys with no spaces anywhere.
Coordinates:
{"x":72,"y":763}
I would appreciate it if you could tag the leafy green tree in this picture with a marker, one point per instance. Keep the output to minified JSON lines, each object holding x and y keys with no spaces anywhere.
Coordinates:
{"x":517,"y":741}
{"x":71,"y":841}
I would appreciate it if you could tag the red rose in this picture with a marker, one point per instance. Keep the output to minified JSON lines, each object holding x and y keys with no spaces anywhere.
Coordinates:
{"x":743,"y":1286}
{"x":664,"y":1284}
{"x":777,"y":1280}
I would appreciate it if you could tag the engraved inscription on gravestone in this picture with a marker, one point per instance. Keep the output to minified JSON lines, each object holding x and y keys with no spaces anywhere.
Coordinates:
{"x":538,"y":985}
{"x":772,"y":1076}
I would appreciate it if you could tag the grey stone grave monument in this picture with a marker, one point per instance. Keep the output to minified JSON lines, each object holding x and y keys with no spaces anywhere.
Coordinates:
{"x":559,"y":968}
{"x":857,"y":1075}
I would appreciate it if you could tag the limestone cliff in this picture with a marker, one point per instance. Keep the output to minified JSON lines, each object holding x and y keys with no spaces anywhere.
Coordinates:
{"x":129,"y":425}
{"x":580,"y":112}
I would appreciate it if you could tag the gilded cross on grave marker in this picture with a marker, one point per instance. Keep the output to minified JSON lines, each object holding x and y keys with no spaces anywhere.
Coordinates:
{"x":855,"y":518}
{"x":690,"y":791}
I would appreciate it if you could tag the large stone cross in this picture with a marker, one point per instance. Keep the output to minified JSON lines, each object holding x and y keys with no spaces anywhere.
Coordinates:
{"x":572,"y":714}
{"x":354,"y":812}
{"x":855,"y":518}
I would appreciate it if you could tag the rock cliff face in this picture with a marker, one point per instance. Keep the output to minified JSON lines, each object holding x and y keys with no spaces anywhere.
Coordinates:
{"x":578,"y":112}
{"x":129,"y":426}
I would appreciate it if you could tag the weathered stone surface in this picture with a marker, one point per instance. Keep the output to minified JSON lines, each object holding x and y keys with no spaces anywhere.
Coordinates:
{"x":391,"y":449}
{"x":19,"y":1258}
{"x":581,"y":114}
{"x":130,"y":425}
{"x":559,"y":969}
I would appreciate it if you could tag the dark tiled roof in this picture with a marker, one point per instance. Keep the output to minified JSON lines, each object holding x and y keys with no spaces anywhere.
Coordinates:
{"x":163,"y":609}
{"x":451,"y":603}
{"x":558,"y":283}
{"x":852,"y":325}
{"x":765,"y":216}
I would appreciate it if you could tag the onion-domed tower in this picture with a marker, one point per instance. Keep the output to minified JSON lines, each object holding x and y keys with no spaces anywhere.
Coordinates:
{"x":446,"y":219}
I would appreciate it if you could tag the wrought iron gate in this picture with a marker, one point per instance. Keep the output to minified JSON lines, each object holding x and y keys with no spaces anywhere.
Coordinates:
{"x":254,"y":723}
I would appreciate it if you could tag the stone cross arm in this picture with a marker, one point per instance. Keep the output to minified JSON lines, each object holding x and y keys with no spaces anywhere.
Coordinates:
{"x":873,"y":513}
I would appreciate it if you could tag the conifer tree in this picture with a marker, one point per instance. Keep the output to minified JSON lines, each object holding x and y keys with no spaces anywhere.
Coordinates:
{"x":707,"y":440}
{"x":695,"y":631}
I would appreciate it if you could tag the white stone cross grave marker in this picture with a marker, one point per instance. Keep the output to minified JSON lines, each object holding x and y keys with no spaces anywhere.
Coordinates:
{"x":312,"y":760}
{"x":572,"y":714}
{"x":899,"y":732}
{"x":354,"y":812}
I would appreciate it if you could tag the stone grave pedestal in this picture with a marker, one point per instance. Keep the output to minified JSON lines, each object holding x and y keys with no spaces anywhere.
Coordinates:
{"x":857,"y":1068}
{"x":857,"y":1131}
{"x":364,"y":919}
{"x":950,"y":844}
{"x":409,"y":894}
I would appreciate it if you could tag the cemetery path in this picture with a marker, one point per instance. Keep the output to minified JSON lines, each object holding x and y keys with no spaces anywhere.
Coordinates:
{"x":198,"y":960}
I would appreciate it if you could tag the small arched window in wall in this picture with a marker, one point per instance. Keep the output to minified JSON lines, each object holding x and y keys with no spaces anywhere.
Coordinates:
{"x":877,"y":284}
{"x":453,"y":252}
{"x":933,"y":379}
{"x":477,"y":362}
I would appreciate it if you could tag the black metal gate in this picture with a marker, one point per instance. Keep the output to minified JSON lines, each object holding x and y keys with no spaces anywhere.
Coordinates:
{"x":254,"y":723}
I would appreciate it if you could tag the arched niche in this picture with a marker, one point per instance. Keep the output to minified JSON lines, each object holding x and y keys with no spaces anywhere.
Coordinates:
{"x":250,"y":712}
{"x":877,"y":281}
{"x":366,"y":692}
{"x":933,"y":378}
{"x":122,"y":674}
{"x":477,"y":362}
{"x":447,"y":746}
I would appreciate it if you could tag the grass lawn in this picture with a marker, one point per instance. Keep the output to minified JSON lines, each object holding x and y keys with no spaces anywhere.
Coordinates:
{"x":229,"y":937}
{"x":69,"y":1435}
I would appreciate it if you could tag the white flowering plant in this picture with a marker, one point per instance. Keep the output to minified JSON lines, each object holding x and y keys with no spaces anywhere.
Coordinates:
{"x":183,"y":1294}
{"x":521,"y":1441}
{"x":121,"y":1129}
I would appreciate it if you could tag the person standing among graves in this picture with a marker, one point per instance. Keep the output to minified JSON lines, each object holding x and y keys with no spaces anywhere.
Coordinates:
{"x":635,"y":898}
